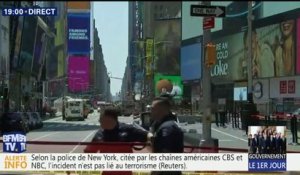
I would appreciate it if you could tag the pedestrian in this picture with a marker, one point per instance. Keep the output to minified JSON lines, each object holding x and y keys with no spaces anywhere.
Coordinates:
{"x":113,"y":131}
{"x":167,"y":135}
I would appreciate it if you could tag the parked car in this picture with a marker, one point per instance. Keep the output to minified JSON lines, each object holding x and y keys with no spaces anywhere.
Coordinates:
{"x":14,"y":121}
{"x":31,"y":121}
{"x":38,"y":119}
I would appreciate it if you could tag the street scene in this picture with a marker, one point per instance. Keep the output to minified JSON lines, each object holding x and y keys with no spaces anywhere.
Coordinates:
{"x":149,"y":77}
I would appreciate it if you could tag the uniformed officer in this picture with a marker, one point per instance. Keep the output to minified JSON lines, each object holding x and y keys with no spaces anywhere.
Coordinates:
{"x":167,"y":135}
{"x":113,"y":131}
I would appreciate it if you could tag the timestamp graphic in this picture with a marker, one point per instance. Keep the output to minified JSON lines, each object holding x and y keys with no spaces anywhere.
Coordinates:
{"x":34,"y":11}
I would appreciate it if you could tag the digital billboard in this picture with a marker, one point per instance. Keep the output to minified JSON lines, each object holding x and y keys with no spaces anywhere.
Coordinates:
{"x":298,"y":47}
{"x":79,"y":33}
{"x":81,"y":5}
{"x":168,"y":84}
{"x":273,"y":52}
{"x":240,"y":94}
{"x":191,"y":62}
{"x":167,"y":44}
{"x":78,"y":73}
{"x":27,"y":44}
{"x":38,"y":55}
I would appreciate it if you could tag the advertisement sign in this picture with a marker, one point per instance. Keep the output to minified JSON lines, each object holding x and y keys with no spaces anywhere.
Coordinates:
{"x":274,"y":50}
{"x":191,"y":62}
{"x":283,"y":87}
{"x":38,"y":55}
{"x":78,"y":73}
{"x":167,"y":46}
{"x":273,"y":53}
{"x":291,"y":86}
{"x":168,"y":84}
{"x":27,"y":44}
{"x":298,"y":47}
{"x":149,"y":56}
{"x":59,"y":42}
{"x":240,"y":94}
{"x":80,"y":5}
{"x":231,"y":63}
{"x":79,"y":33}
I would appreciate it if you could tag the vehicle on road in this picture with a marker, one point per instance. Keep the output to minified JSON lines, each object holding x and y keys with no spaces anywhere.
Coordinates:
{"x":14,"y":121}
{"x":32,"y":123}
{"x":74,"y":109}
{"x":38,"y":119}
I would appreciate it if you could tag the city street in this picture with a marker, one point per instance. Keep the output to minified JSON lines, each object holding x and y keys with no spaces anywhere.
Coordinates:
{"x":56,"y":129}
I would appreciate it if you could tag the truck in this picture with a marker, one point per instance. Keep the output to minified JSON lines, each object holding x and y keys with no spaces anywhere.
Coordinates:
{"x":74,"y":109}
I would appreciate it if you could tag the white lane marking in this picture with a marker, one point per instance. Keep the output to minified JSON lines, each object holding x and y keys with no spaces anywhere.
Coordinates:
{"x":44,"y":136}
{"x":225,"y":140}
{"x":229,"y":135}
{"x":87,"y":137}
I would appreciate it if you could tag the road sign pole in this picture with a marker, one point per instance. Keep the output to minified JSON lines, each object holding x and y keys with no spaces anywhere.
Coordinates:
{"x":206,"y":139}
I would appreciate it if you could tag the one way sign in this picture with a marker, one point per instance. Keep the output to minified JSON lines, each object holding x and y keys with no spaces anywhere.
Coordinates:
{"x":212,"y":11}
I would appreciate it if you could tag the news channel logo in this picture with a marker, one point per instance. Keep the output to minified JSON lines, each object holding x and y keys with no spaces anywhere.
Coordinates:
{"x":267,"y":148}
{"x":14,"y":142}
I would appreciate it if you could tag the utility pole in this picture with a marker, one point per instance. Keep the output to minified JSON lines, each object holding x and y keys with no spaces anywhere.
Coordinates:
{"x":250,"y":50}
{"x":207,"y":140}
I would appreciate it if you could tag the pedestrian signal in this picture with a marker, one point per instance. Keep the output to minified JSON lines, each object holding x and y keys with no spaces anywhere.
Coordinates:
{"x":210,"y":55}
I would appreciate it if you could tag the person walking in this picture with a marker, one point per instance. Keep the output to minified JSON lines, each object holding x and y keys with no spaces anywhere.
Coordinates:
{"x":167,"y":135}
{"x":113,"y":131}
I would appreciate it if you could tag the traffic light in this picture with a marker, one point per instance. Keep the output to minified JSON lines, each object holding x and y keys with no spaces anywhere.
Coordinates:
{"x":210,"y":55}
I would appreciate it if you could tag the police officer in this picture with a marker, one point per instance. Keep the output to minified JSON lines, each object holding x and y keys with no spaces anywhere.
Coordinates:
{"x":113,"y":131}
{"x":167,"y":135}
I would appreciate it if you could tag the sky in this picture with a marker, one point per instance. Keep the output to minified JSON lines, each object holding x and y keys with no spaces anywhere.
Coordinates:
{"x":111,"y":20}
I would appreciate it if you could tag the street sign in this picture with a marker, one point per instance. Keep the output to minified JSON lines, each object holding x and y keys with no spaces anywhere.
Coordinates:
{"x":213,"y":11}
{"x":208,"y":23}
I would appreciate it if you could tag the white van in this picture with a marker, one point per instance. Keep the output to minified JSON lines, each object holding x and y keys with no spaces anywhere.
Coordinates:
{"x":74,"y":109}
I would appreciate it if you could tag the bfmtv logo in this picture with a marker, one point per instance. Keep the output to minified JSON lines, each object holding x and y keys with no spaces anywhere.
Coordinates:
{"x":14,"y":142}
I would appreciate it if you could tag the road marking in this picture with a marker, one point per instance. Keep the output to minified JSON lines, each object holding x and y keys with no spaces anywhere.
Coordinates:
{"x":88,"y":136}
{"x":229,"y":135}
{"x":225,"y":140}
{"x":45,"y":136}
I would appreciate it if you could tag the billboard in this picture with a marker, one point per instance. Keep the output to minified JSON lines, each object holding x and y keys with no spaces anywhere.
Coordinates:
{"x":59,"y":42}
{"x":79,"y":33}
{"x":78,"y":73}
{"x":27,"y":44}
{"x":39,"y":49}
{"x":298,"y":47}
{"x":274,"y":51}
{"x":80,"y":5}
{"x":168,"y":84}
{"x":191,"y":62}
{"x":149,"y":56}
{"x":167,"y":40}
{"x":231,"y":62}
{"x":240,"y":94}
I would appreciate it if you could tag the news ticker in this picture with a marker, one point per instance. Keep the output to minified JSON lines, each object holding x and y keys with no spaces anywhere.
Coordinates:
{"x":146,"y":162}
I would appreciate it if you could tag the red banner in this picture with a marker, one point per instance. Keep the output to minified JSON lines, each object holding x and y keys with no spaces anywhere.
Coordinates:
{"x":283,"y":87}
{"x":291,"y":86}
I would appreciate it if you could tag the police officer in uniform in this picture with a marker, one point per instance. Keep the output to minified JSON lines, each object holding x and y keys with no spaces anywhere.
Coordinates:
{"x":113,"y":131}
{"x":167,"y":135}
